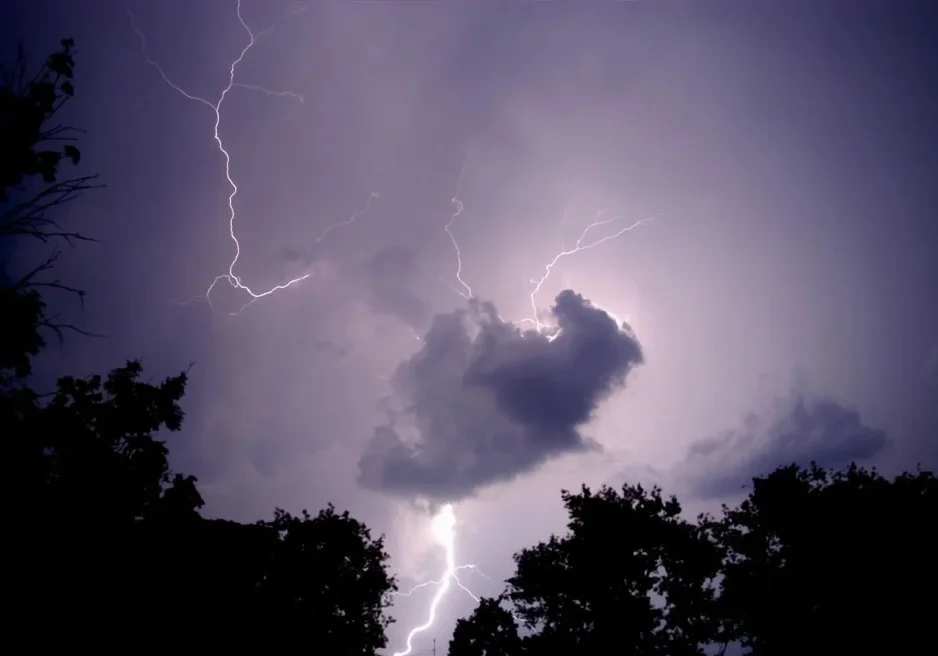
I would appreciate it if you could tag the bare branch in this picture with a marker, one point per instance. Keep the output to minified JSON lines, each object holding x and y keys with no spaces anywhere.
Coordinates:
{"x":30,"y":166}
{"x":28,"y":218}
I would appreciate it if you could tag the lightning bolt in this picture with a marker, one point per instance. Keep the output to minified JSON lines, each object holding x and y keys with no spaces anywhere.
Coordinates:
{"x":348,"y":221}
{"x":581,"y":245}
{"x":231,"y":277}
{"x":458,"y":208}
{"x":444,"y":530}
{"x":456,"y":569}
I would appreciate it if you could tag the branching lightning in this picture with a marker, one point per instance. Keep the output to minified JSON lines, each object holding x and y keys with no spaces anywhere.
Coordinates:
{"x":444,"y":530}
{"x":348,"y":221}
{"x":580,"y":246}
{"x":456,"y":569}
{"x":231,"y":277}
{"x":458,"y":208}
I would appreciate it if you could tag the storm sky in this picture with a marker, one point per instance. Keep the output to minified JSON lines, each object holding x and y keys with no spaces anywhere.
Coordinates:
{"x":779,"y":307}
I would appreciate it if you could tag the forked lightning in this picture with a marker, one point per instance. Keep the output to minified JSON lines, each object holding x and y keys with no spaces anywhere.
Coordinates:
{"x":231,"y":277}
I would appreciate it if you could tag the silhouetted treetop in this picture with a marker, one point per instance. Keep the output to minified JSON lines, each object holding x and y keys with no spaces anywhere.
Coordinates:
{"x":820,"y":561}
{"x":630,"y":577}
{"x":328,"y":575}
{"x":92,"y":448}
{"x":491,"y":629}
{"x":317,"y":580}
{"x":811,"y":562}
{"x":27,"y":103}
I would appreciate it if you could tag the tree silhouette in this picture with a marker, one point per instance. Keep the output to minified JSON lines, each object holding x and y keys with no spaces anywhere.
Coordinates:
{"x":823,"y":562}
{"x":630,"y":577}
{"x":328,"y":578}
{"x":93,"y":450}
{"x":320,"y":579}
{"x":33,"y":150}
{"x":85,"y":461}
{"x":492,"y":629}
{"x":91,"y":470}
{"x":812,"y":562}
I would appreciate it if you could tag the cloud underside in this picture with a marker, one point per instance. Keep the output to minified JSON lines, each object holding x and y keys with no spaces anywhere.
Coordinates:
{"x":484,"y":401}
{"x":388,"y":276}
{"x":800,"y":430}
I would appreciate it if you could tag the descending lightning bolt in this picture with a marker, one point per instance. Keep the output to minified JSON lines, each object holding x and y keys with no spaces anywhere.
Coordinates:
{"x":458,"y":208}
{"x":231,"y":277}
{"x":444,"y":530}
{"x":581,"y":245}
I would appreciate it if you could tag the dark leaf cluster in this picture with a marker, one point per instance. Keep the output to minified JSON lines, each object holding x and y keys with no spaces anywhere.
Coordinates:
{"x":811,"y":562}
{"x":28,"y":102}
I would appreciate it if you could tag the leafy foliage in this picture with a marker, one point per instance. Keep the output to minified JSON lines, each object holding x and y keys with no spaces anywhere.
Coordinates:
{"x":812,"y":562}
{"x":27,"y":103}
{"x":328,"y":576}
{"x":92,"y":452}
{"x":631,"y":577}
{"x":319,"y":579}
{"x":823,"y":562}
{"x":492,"y":629}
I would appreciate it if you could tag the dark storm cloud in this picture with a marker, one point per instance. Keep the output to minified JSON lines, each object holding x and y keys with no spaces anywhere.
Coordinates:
{"x":800,"y":430}
{"x":483,"y":401}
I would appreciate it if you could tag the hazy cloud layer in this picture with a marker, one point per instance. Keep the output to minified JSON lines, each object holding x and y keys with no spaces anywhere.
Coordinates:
{"x":484,"y":401}
{"x":799,"y":430}
{"x":388,"y":276}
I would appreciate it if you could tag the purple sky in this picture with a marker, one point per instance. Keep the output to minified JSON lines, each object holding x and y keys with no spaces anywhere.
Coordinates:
{"x":782,"y":300}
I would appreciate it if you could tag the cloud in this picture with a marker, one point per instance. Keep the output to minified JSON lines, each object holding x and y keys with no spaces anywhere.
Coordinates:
{"x":326,"y":346}
{"x":799,"y":430}
{"x":388,"y":276}
{"x":484,"y":401}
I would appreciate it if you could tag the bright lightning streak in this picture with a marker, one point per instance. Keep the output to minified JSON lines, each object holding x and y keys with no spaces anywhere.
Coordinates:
{"x":444,"y":530}
{"x":348,"y":221}
{"x":580,"y":246}
{"x":425,"y":584}
{"x":276,"y":94}
{"x":455,"y":200}
{"x":231,"y":277}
